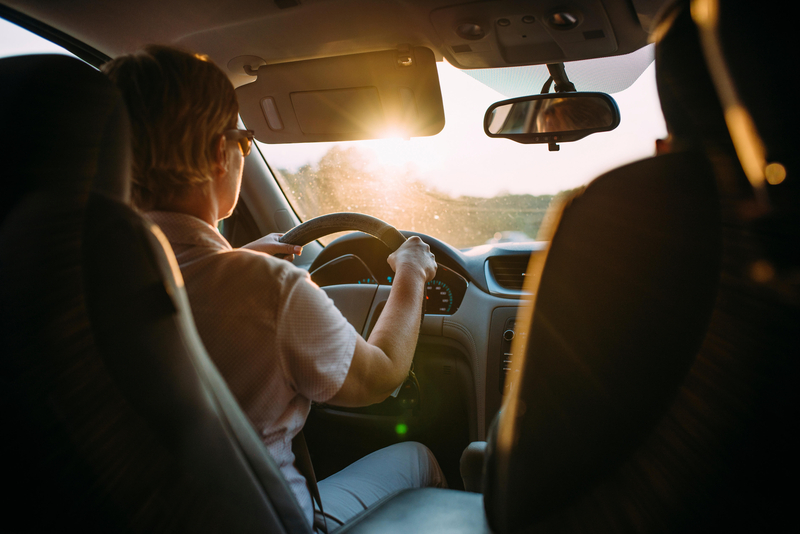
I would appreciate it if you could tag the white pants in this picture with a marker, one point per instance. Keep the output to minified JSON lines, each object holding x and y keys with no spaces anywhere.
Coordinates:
{"x":375,"y":476}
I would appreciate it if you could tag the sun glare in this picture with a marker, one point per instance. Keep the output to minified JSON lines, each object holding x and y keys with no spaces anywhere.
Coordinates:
{"x":425,"y":183}
{"x":394,"y":133}
{"x":393,"y":152}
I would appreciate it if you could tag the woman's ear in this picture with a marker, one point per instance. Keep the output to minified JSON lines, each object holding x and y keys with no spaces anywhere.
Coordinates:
{"x":220,"y":158}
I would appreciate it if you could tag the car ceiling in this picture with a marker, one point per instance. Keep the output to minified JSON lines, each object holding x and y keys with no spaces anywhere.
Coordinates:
{"x":269,"y":29}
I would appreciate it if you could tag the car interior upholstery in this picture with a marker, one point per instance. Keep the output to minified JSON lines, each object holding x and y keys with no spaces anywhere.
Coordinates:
{"x":576,"y":414}
{"x":654,"y":380}
{"x":126,"y":421}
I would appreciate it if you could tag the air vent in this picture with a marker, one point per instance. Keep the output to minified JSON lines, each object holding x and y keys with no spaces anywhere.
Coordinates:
{"x":509,"y":271}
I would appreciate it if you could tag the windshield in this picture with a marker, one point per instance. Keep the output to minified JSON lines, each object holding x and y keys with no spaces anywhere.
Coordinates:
{"x":16,"y":41}
{"x":461,"y":186}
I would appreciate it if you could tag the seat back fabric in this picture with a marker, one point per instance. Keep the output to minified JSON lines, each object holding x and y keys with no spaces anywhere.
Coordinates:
{"x":117,"y":418}
{"x":722,"y":454}
{"x":623,"y":303}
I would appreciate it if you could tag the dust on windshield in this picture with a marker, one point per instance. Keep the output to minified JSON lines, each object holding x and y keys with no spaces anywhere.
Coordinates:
{"x":461,"y":186}
{"x":347,"y":179}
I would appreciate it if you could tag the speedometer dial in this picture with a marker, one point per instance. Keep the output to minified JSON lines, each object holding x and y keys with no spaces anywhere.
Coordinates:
{"x":439,"y":297}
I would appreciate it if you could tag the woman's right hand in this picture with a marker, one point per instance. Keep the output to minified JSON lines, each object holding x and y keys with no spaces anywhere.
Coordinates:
{"x":414,"y":255}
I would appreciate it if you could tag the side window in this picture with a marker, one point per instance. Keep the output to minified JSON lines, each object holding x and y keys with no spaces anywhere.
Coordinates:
{"x":16,"y":41}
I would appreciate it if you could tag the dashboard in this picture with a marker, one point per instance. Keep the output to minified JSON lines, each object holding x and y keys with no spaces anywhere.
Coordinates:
{"x":359,"y":258}
{"x":470,"y":309}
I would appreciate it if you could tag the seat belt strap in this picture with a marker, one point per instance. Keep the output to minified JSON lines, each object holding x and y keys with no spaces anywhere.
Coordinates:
{"x":303,"y":462}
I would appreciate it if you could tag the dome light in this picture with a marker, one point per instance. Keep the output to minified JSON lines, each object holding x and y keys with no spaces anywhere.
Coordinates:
{"x":563,"y":20}
{"x":470,"y":31}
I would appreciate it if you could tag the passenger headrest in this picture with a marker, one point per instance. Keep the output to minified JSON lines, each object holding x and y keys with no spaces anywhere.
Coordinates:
{"x":689,"y":101}
{"x":64,"y":125}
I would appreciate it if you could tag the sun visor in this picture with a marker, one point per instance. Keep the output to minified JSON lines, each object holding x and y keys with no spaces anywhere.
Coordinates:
{"x":362,"y":96}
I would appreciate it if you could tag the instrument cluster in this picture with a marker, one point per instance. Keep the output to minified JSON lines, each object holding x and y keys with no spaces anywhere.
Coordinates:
{"x":443,"y":294}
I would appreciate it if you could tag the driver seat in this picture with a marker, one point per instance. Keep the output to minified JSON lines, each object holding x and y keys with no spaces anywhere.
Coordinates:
{"x":115,"y":417}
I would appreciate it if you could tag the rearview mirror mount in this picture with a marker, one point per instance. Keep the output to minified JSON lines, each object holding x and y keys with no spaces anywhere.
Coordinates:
{"x":551,"y":118}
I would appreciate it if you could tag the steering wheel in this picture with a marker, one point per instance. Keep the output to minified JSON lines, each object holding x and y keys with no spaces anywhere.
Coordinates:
{"x":312,"y":229}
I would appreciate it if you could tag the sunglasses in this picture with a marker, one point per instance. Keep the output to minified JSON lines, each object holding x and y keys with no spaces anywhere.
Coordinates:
{"x":243,"y":137}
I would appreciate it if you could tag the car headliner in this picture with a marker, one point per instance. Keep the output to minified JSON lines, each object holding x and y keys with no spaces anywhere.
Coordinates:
{"x":269,"y":29}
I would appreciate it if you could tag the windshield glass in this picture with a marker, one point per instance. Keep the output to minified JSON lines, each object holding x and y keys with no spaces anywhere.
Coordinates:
{"x":16,"y":41}
{"x":460,"y":185}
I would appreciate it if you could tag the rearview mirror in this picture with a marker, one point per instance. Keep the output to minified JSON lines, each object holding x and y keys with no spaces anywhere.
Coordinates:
{"x":551,"y":117}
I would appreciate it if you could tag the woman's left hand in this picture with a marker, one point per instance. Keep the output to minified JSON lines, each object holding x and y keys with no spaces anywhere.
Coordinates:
{"x":270,"y":244}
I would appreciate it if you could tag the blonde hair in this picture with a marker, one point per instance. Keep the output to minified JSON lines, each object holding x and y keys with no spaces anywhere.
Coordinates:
{"x":179,"y":103}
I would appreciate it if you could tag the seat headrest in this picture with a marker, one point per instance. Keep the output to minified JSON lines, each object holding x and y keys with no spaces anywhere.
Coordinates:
{"x":64,"y":125}
{"x":688,"y":98}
